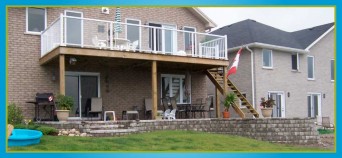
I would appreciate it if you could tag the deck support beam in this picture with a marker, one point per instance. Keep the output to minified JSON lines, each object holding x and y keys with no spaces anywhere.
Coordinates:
{"x":218,"y":100}
{"x":154,"y":89}
{"x":62,"y":74}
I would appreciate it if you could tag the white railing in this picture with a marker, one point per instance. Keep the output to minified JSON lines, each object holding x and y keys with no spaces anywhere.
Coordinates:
{"x":101,"y":34}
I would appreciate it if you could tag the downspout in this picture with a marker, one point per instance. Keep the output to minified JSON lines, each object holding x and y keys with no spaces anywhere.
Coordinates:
{"x":252,"y":73}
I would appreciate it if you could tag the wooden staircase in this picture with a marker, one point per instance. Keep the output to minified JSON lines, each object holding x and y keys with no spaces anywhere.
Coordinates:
{"x":217,"y":77}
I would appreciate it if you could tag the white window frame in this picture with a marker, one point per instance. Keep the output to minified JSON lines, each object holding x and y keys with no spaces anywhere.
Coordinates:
{"x":313,"y":67}
{"x":332,"y":72}
{"x":65,"y":27}
{"x":271,"y":57}
{"x":298,"y":64}
{"x":283,"y":102}
{"x":181,"y":87}
{"x":194,"y":35}
{"x":139,"y":29}
{"x":319,"y":108}
{"x":79,"y":74}
{"x":45,"y":20}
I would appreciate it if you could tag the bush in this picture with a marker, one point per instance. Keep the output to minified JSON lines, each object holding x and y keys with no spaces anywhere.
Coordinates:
{"x":15,"y":115}
{"x":46,"y":130}
{"x":325,"y":131}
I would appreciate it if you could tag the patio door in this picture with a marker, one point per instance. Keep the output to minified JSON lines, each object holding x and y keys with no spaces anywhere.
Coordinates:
{"x":164,"y":38}
{"x":279,"y":108}
{"x":73,"y":28}
{"x":169,"y":39}
{"x":314,"y":104}
{"x":81,"y":87}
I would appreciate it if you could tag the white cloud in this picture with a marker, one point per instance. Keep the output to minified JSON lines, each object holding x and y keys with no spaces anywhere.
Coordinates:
{"x":284,"y":18}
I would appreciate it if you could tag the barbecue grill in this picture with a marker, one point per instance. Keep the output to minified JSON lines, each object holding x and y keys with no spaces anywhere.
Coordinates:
{"x":46,"y":102}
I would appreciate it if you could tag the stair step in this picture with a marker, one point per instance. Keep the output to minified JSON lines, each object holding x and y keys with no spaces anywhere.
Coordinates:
{"x":112,"y":131}
{"x":106,"y":126}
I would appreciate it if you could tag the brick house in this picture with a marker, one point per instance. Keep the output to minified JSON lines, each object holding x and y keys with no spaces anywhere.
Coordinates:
{"x":83,"y":53}
{"x":294,"y":68}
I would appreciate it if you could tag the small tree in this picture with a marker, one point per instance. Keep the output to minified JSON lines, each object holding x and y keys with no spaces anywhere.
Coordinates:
{"x":15,"y":115}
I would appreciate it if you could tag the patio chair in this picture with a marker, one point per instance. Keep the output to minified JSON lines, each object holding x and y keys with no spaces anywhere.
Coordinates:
{"x":166,"y":113}
{"x":174,"y":106}
{"x":171,"y":115}
{"x":148,"y":107}
{"x":326,"y":123}
{"x":133,"y":46}
{"x":99,"y":43}
{"x":96,"y":107}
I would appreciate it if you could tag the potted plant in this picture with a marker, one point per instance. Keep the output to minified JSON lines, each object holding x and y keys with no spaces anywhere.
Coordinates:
{"x":228,"y":101}
{"x":159,"y":116}
{"x":267,"y":106}
{"x":64,"y":104}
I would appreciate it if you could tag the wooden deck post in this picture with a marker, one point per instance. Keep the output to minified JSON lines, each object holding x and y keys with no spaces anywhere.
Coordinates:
{"x":62,"y":74}
{"x":218,"y":100}
{"x":154,"y":89}
{"x":225,"y":80}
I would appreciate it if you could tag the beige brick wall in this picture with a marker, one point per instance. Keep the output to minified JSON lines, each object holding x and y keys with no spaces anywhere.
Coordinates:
{"x":281,"y":78}
{"x":127,"y":88}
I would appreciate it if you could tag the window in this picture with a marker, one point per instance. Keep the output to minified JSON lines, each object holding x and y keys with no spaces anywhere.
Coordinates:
{"x":267,"y":61}
{"x":332,"y":69}
{"x":35,"y":20}
{"x":311,"y":68}
{"x":133,"y":32}
{"x":295,"y":61}
{"x":189,"y":38}
{"x":314,"y":104}
{"x":175,"y":86}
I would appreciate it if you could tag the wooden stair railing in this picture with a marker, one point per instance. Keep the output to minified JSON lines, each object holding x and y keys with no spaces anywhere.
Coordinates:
{"x":218,"y":80}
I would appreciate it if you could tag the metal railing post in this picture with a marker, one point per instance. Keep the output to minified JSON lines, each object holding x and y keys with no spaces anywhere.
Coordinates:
{"x":154,"y":40}
{"x":111,"y":36}
{"x":62,"y":30}
{"x":226,"y":47}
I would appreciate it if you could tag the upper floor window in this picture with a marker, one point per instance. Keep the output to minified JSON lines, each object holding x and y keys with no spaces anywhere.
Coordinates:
{"x":311,"y":68}
{"x":332,"y":69}
{"x":295,"y":61}
{"x":189,"y":38}
{"x":133,"y":32}
{"x":267,"y":59}
{"x":35,"y":20}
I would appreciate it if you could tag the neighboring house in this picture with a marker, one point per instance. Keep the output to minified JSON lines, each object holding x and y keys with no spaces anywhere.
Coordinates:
{"x":82,"y":53}
{"x":294,"y":68}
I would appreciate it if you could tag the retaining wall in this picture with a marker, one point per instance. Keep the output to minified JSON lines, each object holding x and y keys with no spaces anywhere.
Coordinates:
{"x":279,"y":130}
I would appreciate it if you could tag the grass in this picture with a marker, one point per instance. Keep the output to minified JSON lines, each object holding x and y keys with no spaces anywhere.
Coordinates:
{"x":325,"y":131}
{"x":178,"y":141}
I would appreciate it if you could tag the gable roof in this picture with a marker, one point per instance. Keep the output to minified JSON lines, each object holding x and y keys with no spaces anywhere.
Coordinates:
{"x":307,"y":36}
{"x":204,"y":18}
{"x":249,"y":31}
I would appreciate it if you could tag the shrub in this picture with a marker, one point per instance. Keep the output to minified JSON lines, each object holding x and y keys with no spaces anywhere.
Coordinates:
{"x":15,"y":115}
{"x":46,"y":130}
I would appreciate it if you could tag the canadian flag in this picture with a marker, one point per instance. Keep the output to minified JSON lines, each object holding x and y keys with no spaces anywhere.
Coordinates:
{"x":234,"y":67}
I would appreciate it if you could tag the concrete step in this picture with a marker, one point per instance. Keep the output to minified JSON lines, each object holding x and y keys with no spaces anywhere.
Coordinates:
{"x":106,"y":126}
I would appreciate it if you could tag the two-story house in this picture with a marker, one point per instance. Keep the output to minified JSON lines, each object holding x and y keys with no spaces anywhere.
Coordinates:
{"x":296,"y":68}
{"x":122,"y":55}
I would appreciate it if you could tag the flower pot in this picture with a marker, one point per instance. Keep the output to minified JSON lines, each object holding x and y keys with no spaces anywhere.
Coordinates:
{"x":266,"y":112}
{"x":226,"y":114}
{"x":159,"y":117}
{"x":62,"y":115}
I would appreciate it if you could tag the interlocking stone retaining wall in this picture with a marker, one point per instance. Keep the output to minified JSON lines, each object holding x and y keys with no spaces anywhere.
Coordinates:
{"x":279,"y":130}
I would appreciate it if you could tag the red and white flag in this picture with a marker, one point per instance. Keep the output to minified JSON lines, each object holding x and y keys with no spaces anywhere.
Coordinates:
{"x":234,"y":67}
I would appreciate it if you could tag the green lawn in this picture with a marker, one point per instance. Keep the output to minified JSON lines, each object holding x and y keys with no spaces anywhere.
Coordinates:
{"x":325,"y":131}
{"x":178,"y":141}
